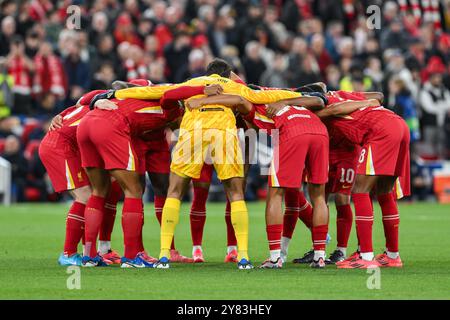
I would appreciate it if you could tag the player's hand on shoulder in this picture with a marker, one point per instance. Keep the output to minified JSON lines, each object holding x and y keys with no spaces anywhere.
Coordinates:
{"x":110,"y":94}
{"x":213,"y":89}
{"x":273,"y":108}
{"x":105,"y":104}
{"x":56,"y":123}
{"x":194,"y":103}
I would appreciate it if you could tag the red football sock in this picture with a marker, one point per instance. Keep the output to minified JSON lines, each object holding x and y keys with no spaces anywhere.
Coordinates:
{"x":319,"y":236}
{"x":110,"y":211}
{"x":198,"y":215}
{"x":93,"y":216}
{"x":344,"y":222}
{"x":74,"y":227}
{"x":306,"y":210}
{"x":231,"y":237}
{"x":391,"y":220}
{"x":274,"y":236}
{"x":291,"y":212}
{"x":159,"y":204}
{"x":364,"y":220}
{"x":132,"y":222}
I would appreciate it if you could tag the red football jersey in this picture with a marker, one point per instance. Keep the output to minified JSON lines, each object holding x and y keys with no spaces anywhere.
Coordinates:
{"x":291,"y":121}
{"x":355,"y":126}
{"x":71,"y":118}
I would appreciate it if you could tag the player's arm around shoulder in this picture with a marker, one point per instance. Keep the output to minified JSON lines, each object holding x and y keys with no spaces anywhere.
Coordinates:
{"x":144,"y":93}
{"x":346,"y":108}
{"x":312,"y":103}
{"x":235,"y":102}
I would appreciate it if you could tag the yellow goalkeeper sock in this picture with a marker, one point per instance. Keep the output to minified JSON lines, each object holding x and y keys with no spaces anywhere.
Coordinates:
{"x":239,"y":219}
{"x":169,"y":220}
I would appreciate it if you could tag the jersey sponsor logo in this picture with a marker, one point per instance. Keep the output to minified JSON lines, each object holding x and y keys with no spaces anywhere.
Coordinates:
{"x":211,"y":109}
{"x":292,"y":116}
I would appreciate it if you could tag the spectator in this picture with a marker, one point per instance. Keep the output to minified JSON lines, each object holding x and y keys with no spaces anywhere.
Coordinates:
{"x":32,"y":43}
{"x":104,"y":77}
{"x":320,"y":53}
{"x":7,"y":8}
{"x":309,"y":72}
{"x":195,"y":68}
{"x":8,"y":29}
{"x":105,"y":53}
{"x":435,"y":102}
{"x":333,"y":76}
{"x":275,"y":76}
{"x":78,"y":73}
{"x":99,"y":26}
{"x":156,"y":74}
{"x":19,"y":167}
{"x":6,"y":90}
{"x":375,"y":72}
{"x":394,"y":36}
{"x":177,"y":54}
{"x":221,"y":33}
{"x":333,"y":37}
{"x":10,"y":125}
{"x":356,"y":72}
{"x":401,"y":101}
{"x":125,"y":31}
{"x":20,"y":68}
{"x":49,"y":77}
{"x":253,"y":64}
{"x":134,"y":63}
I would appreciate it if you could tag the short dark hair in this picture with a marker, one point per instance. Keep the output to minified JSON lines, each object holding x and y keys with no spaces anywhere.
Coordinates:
{"x":220,"y":67}
{"x":311,"y":88}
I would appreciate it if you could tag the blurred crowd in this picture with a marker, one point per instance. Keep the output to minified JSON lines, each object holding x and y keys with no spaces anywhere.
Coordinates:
{"x":52,"y":52}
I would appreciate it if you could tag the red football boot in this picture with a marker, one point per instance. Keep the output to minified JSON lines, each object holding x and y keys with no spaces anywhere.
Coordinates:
{"x":112,"y":257}
{"x":353,"y":257}
{"x":360,"y":264}
{"x":197,"y":255}
{"x":232,"y":256}
{"x":175,"y":256}
{"x":147,"y":258}
{"x":385,"y":261}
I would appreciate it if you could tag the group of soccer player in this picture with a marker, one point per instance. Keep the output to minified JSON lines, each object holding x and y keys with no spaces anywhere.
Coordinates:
{"x":335,"y":142}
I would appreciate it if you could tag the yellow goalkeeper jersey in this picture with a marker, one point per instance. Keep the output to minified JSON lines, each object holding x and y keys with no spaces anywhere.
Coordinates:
{"x":211,"y":116}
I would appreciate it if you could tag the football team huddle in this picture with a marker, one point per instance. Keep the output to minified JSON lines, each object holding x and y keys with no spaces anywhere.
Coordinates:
{"x":333,"y":142}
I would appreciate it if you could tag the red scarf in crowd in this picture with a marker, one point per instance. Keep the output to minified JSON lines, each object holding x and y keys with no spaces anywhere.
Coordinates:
{"x":18,"y":69}
{"x":49,"y":76}
{"x":423,"y":10}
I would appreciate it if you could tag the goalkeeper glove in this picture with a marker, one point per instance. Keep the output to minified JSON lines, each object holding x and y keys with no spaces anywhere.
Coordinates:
{"x":110,"y":94}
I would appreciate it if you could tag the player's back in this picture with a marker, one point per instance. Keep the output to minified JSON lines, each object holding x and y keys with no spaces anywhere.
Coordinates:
{"x":357,"y":125}
{"x":293,"y":121}
{"x":67,"y":134}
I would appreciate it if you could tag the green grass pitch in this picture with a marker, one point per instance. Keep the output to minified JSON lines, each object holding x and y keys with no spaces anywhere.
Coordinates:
{"x":31,"y":237}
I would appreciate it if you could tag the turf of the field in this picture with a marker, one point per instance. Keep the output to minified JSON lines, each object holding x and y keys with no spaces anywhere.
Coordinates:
{"x":31,"y":237}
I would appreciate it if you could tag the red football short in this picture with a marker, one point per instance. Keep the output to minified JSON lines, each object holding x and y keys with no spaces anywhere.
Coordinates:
{"x":386,"y":151}
{"x":342,"y":172}
{"x":104,"y":142}
{"x":153,"y":155}
{"x":304,"y":152}
{"x":62,"y":161}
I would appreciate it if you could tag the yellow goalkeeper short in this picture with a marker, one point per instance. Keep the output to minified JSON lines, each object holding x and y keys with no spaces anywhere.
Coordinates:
{"x":221,"y":148}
